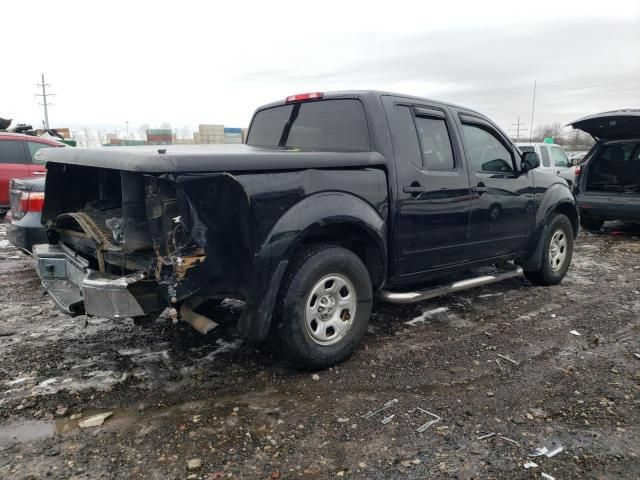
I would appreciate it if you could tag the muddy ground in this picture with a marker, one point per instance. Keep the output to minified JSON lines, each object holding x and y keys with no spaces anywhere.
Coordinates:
{"x":243,"y":412}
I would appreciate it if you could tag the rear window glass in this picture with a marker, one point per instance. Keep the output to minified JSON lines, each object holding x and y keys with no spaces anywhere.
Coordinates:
{"x":435,"y":144}
{"x":322,"y":125}
{"x":11,"y":152}
{"x":527,"y":149}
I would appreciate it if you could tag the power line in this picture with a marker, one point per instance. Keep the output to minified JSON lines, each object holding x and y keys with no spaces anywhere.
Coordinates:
{"x":44,"y":103}
{"x":518,"y":129}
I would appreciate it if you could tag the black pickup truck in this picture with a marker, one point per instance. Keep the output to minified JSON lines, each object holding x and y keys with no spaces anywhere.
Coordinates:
{"x":335,"y":199}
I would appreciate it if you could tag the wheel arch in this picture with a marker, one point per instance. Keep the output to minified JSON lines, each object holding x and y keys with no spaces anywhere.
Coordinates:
{"x":337,"y":218}
{"x":557,"y":199}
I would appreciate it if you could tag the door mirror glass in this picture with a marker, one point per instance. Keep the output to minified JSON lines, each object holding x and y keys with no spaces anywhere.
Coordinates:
{"x":530,"y":161}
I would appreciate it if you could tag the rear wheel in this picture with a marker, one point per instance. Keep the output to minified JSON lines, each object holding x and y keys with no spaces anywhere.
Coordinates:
{"x":558,"y":250}
{"x":591,"y":223}
{"x":324,"y":306}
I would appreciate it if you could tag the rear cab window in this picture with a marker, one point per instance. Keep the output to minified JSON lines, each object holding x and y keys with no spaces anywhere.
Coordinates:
{"x":339,"y":124}
{"x":435,"y":143}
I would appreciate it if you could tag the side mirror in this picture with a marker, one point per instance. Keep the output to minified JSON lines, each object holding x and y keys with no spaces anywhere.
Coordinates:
{"x":529,"y":161}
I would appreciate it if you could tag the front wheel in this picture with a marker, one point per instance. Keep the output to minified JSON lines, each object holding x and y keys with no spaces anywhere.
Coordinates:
{"x":324,"y":306}
{"x":558,"y":250}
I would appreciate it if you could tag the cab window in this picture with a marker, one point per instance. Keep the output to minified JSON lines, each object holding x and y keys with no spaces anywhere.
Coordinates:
{"x":544,"y":153}
{"x":435,"y":144}
{"x":559,"y":157}
{"x":34,"y":147}
{"x":485,"y":152}
{"x":11,"y":152}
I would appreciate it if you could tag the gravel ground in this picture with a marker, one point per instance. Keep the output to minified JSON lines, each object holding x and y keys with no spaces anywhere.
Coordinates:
{"x":188,"y":406}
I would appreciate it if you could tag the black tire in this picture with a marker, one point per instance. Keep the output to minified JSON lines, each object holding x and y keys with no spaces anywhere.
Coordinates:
{"x":591,"y":223}
{"x":548,"y":275}
{"x":306,"y":270}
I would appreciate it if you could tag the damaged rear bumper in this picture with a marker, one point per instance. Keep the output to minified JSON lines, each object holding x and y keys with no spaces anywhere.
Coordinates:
{"x":76,"y":288}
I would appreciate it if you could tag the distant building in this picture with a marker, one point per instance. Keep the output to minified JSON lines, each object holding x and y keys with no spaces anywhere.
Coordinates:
{"x":206,"y":134}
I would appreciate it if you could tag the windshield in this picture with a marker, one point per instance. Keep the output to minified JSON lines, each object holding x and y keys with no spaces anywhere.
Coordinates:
{"x":322,"y":125}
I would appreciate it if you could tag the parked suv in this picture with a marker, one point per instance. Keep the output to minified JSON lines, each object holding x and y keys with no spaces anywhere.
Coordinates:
{"x":553,"y":159}
{"x":609,"y":186}
{"x":335,"y":198}
{"x":17,"y":153}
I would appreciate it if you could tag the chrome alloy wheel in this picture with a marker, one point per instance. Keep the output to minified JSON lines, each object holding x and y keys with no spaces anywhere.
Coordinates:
{"x":558,"y":250}
{"x":330,"y":309}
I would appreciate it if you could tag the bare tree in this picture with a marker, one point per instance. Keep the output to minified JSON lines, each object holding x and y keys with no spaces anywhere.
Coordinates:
{"x":80,"y":137}
{"x":101,"y":136}
{"x":142,"y":131}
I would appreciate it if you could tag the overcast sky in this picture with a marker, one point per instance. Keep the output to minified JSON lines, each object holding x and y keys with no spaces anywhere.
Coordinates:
{"x":188,"y":62}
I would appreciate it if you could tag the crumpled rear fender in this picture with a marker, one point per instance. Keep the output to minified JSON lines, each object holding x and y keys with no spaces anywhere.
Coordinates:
{"x":292,"y":229}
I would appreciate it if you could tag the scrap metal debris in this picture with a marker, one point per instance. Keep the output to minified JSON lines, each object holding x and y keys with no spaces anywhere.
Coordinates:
{"x":574,"y":332}
{"x":547,"y":476}
{"x":508,"y":359}
{"x":387,"y":405}
{"x":529,"y":465}
{"x":540,"y":451}
{"x":510,"y":440}
{"x":488,"y":435}
{"x":555,"y":451}
{"x":424,"y":426}
{"x":637,"y":355}
{"x":386,"y":420}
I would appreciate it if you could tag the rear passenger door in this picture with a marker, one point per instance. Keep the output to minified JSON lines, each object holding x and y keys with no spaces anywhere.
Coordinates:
{"x":13,"y":164}
{"x":432,"y":204}
{"x":502,"y":205}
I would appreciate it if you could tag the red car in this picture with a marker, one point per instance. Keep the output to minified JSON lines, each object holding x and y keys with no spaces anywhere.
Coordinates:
{"x":16,"y":159}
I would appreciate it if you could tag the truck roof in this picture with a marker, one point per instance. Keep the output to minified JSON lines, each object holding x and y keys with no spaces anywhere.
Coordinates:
{"x":372,"y":94}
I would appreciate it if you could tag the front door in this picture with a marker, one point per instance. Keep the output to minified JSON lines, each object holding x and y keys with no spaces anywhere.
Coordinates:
{"x":36,"y":168}
{"x":502,"y":206}
{"x":432,"y":204}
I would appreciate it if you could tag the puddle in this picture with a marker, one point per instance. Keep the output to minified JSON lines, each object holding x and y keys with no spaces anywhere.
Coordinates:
{"x":25,"y":431}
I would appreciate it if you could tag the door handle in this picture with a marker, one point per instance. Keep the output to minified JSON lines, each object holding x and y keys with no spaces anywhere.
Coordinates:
{"x":414,"y":189}
{"x":480,"y":189}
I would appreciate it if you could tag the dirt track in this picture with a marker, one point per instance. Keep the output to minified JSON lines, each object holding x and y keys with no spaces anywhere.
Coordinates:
{"x":242,"y":411}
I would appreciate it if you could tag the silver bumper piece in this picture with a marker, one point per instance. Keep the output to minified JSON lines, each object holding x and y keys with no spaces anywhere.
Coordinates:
{"x":75,"y":287}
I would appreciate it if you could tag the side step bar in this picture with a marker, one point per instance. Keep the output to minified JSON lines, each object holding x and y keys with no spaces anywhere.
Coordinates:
{"x":411,"y":297}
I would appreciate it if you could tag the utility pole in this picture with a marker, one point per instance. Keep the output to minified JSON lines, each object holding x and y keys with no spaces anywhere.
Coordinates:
{"x":518,"y":129}
{"x":533,"y":107}
{"x":127,"y":122}
{"x":46,"y":104}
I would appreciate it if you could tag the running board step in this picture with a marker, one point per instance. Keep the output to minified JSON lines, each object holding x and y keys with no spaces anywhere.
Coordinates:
{"x":412,"y":297}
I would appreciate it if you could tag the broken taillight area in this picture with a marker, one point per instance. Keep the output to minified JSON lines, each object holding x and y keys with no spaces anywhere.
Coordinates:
{"x":28,"y":202}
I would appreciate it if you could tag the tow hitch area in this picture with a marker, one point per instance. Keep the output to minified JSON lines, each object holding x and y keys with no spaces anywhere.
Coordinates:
{"x":77,"y":289}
